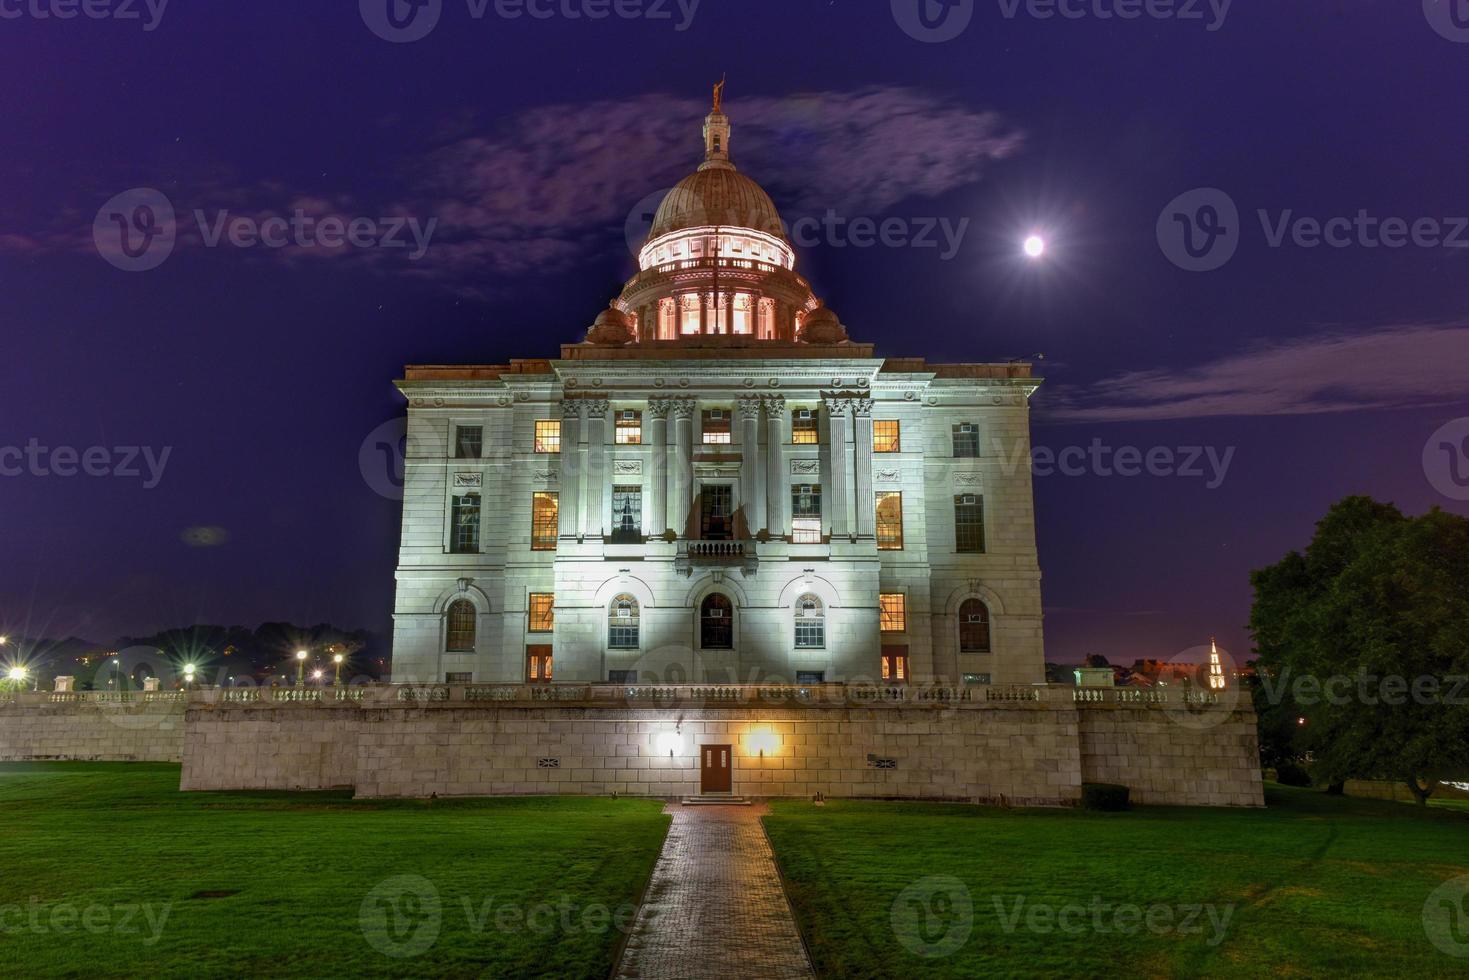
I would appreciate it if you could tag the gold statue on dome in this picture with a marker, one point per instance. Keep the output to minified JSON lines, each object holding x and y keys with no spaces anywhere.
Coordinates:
{"x":719,"y":93}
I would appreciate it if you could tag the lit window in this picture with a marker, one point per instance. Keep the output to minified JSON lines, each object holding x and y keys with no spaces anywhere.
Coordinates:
{"x":969,"y":524}
{"x":542,"y":612}
{"x":889,"y":521}
{"x":627,"y":514}
{"x":464,"y":535}
{"x":544,"y":521}
{"x":806,"y":514}
{"x":667,"y":317}
{"x":966,"y":440}
{"x":629,"y":428}
{"x":974,"y":627}
{"x":691,"y":320}
{"x":805,"y":428}
{"x":718,"y":427}
{"x":459,"y":635}
{"x":468,"y":441}
{"x":548,"y":436}
{"x":810,"y":623}
{"x":893,"y":612}
{"x":538,"y":665}
{"x":886,"y":436}
{"x":895,"y":665}
{"x":622,"y":624}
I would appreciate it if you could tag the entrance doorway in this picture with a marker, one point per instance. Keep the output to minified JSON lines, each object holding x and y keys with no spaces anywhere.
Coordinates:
{"x":715,"y":769}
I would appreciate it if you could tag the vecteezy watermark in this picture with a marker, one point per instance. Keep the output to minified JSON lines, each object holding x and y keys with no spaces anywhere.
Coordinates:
{"x":936,"y":21}
{"x":1098,"y":459}
{"x":380,"y":458}
{"x":933,"y":917}
{"x":1200,"y":231}
{"x":403,"y":916}
{"x":1446,"y":917}
{"x":117,"y":462}
{"x":142,"y":919}
{"x":1450,"y":18}
{"x":1366,"y":689}
{"x":406,"y":21}
{"x":148,"y":13}
{"x":138,"y":229}
{"x":1446,"y":459}
{"x":1100,"y":917}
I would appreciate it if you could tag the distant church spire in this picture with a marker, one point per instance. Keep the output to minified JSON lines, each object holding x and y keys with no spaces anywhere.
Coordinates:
{"x":716,"y":134}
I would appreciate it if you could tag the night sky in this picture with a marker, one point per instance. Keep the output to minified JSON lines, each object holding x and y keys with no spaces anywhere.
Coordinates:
{"x":261,"y":371}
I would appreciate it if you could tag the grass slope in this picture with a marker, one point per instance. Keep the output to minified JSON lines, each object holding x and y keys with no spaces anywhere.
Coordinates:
{"x":284,"y":877}
{"x":1319,"y":886}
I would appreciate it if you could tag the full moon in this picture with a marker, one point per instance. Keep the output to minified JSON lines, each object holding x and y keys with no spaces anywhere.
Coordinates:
{"x":1035,"y":246}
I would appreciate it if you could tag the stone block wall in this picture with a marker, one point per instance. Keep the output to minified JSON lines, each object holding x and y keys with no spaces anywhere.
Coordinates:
{"x":270,"y":747}
{"x":1170,"y":755}
{"x":32,"y":729}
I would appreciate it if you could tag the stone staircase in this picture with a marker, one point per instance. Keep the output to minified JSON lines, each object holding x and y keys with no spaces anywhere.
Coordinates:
{"x":715,"y":799}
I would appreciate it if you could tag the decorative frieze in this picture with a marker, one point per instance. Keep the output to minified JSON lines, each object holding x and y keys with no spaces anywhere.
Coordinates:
{"x":805,"y":467}
{"x":468,"y":481}
{"x":627,"y":467}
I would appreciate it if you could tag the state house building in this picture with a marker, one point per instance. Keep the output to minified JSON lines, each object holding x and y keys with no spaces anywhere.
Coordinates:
{"x":718,"y":486}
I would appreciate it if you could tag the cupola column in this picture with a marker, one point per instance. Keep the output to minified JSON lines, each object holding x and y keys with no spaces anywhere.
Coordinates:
{"x":752,"y":491}
{"x":777,"y":486}
{"x":658,"y":464}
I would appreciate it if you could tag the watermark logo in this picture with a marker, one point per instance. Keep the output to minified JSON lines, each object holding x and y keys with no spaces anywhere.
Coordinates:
{"x":1446,"y":459}
{"x":1450,"y":18}
{"x":401,"y":21}
{"x":381,"y":456}
{"x":1199,"y":231}
{"x":639,"y":224}
{"x":1446,"y":917}
{"x":34,"y":459}
{"x":933,"y":917}
{"x":1212,"y":13}
{"x":136,"y":231}
{"x":401,"y":917}
{"x":1103,"y":918}
{"x":149,"y":13}
{"x":144,"y":920}
{"x":933,"y":21}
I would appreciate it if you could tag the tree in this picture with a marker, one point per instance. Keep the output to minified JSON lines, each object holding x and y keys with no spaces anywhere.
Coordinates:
{"x":1363,"y":644}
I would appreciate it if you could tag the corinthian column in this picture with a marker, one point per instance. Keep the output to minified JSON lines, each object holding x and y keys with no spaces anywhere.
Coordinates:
{"x":657,"y":417}
{"x":594,"y":460}
{"x":837,"y":408}
{"x":571,"y":469}
{"x":752,"y":492}
{"x":862,"y":437}
{"x":776,"y":484}
{"x":681,"y":474}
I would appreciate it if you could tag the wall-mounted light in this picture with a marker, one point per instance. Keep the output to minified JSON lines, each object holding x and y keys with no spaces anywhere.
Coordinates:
{"x":760,"y":741}
{"x":670,"y":742}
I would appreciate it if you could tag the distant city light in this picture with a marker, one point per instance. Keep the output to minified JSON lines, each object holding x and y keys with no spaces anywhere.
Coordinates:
{"x":300,"y":654}
{"x":1035,"y":246}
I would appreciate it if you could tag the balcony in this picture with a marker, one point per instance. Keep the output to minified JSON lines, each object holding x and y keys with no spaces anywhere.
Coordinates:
{"x":715,"y":554}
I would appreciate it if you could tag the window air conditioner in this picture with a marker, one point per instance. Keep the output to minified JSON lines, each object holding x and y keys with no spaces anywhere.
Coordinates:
{"x":967,"y":500}
{"x":629,"y":416}
{"x":966,"y":428}
{"x":803,"y":414}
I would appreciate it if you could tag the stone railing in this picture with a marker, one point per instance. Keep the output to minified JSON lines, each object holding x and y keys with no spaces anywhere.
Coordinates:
{"x":92,"y":697}
{"x":1139,"y":695}
{"x":705,"y":550}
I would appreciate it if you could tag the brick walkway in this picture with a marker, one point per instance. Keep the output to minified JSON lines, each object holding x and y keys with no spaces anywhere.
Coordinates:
{"x":715,"y":907}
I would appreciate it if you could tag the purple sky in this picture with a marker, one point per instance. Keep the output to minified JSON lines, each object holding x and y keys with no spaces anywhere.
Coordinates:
{"x":1315,"y":371}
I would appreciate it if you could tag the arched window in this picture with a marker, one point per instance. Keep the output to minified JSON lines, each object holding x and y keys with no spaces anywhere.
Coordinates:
{"x":810,"y":623}
{"x":716,"y":623}
{"x":622,"y":624}
{"x":974,"y":627}
{"x":460,"y":634}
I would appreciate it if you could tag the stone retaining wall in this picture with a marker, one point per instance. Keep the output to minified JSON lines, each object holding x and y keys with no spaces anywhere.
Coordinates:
{"x":1169,"y":755}
{"x":91,"y":731}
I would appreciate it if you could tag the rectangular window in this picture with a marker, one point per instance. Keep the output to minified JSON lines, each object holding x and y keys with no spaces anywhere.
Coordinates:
{"x":969,"y":524}
{"x":718,"y":427}
{"x":716,"y":506}
{"x":627,"y":514}
{"x":805,"y":427}
{"x":542,"y":612}
{"x":622,"y":677}
{"x":893,"y":612}
{"x":548,"y":436}
{"x":469,"y":440}
{"x":966,"y":440}
{"x":629,"y":429}
{"x":464,"y":534}
{"x":886,"y":436}
{"x":889,"y":521}
{"x":895,"y":665}
{"x":544,"y":524}
{"x":538,"y":665}
{"x":459,"y":677}
{"x":810,"y":677}
{"x":806,"y":514}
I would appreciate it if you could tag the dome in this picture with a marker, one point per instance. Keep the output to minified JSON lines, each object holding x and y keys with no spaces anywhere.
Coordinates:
{"x":717,"y":196}
{"x":612,"y":327}
{"x":822,"y":326}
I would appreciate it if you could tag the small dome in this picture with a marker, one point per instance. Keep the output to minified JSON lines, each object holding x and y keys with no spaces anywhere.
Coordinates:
{"x":717,"y":196}
{"x":612,"y":327}
{"x":822,"y":326}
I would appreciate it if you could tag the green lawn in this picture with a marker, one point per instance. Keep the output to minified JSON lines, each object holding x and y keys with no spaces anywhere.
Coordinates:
{"x":107,"y":870}
{"x":1311,"y":886}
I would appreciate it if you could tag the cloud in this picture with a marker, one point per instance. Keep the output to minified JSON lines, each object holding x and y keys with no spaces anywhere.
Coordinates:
{"x":551,"y":186}
{"x":1395,"y":366}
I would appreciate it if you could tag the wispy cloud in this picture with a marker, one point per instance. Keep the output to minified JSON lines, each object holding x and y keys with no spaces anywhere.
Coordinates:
{"x":1395,"y":366}
{"x":544,"y":189}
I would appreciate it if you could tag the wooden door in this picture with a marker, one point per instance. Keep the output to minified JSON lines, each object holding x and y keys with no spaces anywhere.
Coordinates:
{"x":538,"y":664}
{"x":715,"y":769}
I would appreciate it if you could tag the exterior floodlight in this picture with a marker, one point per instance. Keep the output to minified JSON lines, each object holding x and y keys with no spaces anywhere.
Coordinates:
{"x":1035,"y":246}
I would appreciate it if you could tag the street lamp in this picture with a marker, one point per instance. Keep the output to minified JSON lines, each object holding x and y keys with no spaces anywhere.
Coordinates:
{"x":338,"y":659}
{"x":117,"y":664}
{"x":316,"y":675}
{"x":300,"y":668}
{"x":188,"y":676}
{"x":17,"y":675}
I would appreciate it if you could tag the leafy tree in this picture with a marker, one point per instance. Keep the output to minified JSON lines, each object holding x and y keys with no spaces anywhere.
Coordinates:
{"x":1363,"y":644}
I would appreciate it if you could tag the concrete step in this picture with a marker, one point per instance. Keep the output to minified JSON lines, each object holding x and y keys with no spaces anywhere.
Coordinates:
{"x":715,"y":799}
